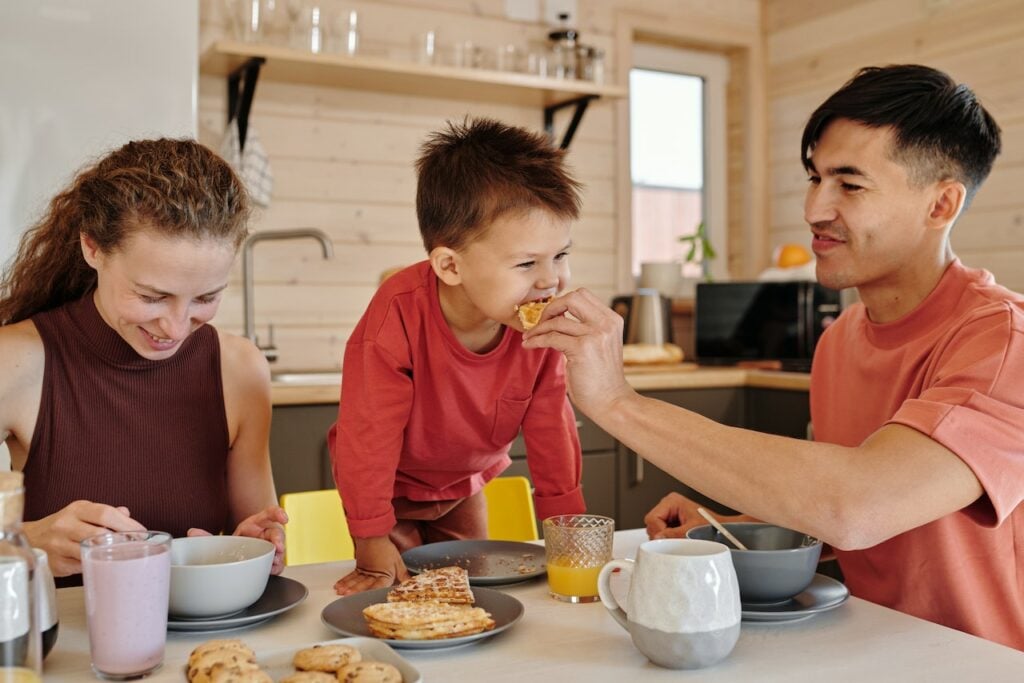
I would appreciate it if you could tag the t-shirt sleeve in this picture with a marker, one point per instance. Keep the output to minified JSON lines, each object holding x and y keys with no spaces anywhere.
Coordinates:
{"x":553,"y":444}
{"x":974,"y":405}
{"x":366,"y":443}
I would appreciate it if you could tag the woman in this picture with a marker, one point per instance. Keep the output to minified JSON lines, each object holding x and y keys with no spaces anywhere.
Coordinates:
{"x":122,"y":406}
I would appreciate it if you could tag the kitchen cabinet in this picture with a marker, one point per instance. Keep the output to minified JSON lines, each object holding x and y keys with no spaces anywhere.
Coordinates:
{"x":777,"y":411}
{"x":599,"y":458}
{"x":299,"y":453}
{"x":641,"y":485}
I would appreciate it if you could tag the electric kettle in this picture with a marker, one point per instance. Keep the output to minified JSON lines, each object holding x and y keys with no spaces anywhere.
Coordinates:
{"x":647,"y":315}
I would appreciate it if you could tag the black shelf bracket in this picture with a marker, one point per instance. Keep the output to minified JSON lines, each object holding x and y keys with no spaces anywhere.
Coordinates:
{"x":549,"y":117}
{"x":241,"y":93}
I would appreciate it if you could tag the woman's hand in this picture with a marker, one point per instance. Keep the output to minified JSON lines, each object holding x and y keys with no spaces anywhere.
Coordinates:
{"x":61,"y":533}
{"x":268,"y":525}
{"x":378,"y":565}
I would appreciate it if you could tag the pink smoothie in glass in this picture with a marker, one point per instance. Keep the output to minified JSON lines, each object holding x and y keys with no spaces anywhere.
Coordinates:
{"x":126,"y":593}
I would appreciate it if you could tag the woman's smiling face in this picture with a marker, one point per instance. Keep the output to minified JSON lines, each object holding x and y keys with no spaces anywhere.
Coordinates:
{"x":154,"y":291}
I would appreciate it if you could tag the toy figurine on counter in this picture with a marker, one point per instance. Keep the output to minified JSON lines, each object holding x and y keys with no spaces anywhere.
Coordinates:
{"x":435,"y":383}
{"x":123,"y":407}
{"x":916,"y":402}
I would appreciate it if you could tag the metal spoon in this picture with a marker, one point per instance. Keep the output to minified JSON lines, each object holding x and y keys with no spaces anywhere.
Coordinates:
{"x":721,"y":529}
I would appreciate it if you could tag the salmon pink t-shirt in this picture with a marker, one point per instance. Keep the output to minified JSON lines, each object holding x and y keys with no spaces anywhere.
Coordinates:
{"x":953,"y":369}
{"x":422,"y":417}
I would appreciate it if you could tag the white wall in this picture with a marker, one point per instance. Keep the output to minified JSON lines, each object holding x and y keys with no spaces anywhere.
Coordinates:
{"x":80,"y":77}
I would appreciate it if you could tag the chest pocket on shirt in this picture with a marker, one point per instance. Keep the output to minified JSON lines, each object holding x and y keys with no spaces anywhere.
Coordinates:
{"x":508,"y":417}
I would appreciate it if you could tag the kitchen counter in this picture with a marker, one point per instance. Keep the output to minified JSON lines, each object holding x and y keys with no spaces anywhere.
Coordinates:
{"x":859,"y":641}
{"x":325,"y":387}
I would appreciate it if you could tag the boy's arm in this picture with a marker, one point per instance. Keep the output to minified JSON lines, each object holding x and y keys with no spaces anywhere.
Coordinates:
{"x":553,"y":444}
{"x":366,"y":442}
{"x":366,"y":446}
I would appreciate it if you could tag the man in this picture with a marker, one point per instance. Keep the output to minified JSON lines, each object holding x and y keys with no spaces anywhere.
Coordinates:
{"x":917,"y":392}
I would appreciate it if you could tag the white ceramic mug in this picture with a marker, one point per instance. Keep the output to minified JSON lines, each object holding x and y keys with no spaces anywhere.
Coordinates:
{"x":683,"y":609}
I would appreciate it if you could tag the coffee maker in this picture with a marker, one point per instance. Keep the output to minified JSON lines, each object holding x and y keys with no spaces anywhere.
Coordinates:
{"x":647,"y":315}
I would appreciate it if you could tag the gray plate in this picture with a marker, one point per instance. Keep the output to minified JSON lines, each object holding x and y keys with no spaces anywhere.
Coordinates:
{"x":489,"y":563}
{"x":345,"y":615}
{"x":280,"y":595}
{"x":824,"y":594}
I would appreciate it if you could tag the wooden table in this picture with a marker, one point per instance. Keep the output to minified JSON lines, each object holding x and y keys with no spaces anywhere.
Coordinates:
{"x":556,"y":641}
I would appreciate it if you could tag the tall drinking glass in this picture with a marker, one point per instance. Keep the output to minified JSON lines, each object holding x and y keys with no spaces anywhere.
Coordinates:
{"x":127,"y":585}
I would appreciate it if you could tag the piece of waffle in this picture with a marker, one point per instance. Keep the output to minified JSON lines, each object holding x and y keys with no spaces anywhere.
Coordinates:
{"x":425,"y":620}
{"x":445,"y":584}
{"x":529,"y":313}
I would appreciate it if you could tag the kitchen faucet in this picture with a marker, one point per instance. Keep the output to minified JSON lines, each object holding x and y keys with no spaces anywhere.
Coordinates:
{"x":248,"y":302}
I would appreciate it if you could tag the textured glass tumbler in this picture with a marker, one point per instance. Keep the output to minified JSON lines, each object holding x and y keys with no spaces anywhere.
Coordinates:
{"x":576,"y":547}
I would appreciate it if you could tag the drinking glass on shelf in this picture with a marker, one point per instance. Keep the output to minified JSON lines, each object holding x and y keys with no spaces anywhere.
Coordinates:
{"x":537,"y":63}
{"x":468,"y":54}
{"x":309,"y":30}
{"x":576,"y":547}
{"x":348,"y":33}
{"x":506,"y":57}
{"x":247,"y":18}
{"x":425,"y":51}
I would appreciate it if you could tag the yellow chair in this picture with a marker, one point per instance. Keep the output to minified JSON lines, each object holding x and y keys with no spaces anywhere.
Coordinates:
{"x":510,"y":513}
{"x":316,"y":530}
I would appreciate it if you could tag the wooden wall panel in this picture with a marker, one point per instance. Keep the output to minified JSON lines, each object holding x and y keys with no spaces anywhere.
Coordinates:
{"x":816,"y":46}
{"x":342,"y":160}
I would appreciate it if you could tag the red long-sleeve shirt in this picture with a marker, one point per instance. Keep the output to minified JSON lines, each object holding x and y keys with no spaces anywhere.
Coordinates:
{"x":422,"y":417}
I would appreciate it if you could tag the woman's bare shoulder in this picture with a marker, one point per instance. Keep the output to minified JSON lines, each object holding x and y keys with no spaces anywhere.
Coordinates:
{"x":242,"y":363}
{"x":22,"y":357}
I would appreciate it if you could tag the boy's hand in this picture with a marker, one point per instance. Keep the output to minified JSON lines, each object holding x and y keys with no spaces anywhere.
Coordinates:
{"x":378,"y":565}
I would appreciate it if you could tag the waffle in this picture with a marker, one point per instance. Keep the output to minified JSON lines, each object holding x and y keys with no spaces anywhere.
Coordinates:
{"x":425,"y":620}
{"x":529,"y":313}
{"x":445,"y":584}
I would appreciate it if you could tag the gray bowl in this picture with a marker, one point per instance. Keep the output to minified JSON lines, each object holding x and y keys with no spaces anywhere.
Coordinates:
{"x":778,"y":564}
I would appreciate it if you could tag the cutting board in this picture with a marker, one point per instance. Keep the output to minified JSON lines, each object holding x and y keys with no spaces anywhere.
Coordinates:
{"x":651,"y":368}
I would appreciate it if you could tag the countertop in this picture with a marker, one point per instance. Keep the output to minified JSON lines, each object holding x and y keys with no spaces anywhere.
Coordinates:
{"x":858,"y":641}
{"x":325,"y":387}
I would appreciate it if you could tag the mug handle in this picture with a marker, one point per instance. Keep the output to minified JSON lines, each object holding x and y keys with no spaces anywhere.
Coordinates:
{"x":604,"y":589}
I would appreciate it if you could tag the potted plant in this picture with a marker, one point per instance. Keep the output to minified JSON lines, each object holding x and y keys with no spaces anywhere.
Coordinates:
{"x":699,"y":249}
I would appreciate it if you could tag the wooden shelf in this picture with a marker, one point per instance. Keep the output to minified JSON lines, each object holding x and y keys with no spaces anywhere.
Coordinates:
{"x":388,"y":75}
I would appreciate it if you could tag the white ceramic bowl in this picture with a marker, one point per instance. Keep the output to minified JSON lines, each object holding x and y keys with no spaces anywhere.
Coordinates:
{"x":217,"y":575}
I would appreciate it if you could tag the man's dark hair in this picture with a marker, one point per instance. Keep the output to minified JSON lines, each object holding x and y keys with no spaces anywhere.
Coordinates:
{"x":940,"y":129}
{"x":476,"y":171}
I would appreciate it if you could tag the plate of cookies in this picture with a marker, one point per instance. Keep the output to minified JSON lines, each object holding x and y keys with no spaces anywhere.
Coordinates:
{"x":433,"y":610}
{"x":487,"y":562}
{"x":348,"y":659}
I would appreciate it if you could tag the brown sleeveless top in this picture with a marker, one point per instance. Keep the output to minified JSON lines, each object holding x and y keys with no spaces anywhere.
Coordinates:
{"x":120,"y":429}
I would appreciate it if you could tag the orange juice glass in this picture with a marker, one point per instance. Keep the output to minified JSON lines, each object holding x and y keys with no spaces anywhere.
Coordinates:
{"x":576,"y":547}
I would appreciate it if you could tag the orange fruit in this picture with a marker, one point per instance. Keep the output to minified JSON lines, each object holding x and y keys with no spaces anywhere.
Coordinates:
{"x":790,"y":255}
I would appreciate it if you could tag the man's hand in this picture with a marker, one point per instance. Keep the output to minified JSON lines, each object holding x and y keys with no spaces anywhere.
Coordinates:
{"x":61,"y":533}
{"x":590,"y":335}
{"x":378,"y":565}
{"x":267,"y":524}
{"x":675,"y":514}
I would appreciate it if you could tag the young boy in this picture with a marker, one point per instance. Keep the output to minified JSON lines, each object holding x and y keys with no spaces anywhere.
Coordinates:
{"x":435,"y":383}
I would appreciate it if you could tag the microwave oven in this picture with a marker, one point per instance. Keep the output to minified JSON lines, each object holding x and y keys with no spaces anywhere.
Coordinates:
{"x":738,"y":322}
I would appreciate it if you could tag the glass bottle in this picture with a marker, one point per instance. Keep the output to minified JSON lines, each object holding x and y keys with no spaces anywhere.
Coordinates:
{"x":20,"y":642}
{"x":563,"y":49}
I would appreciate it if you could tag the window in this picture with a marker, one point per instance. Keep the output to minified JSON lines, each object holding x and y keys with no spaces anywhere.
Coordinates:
{"x":677,"y":154}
